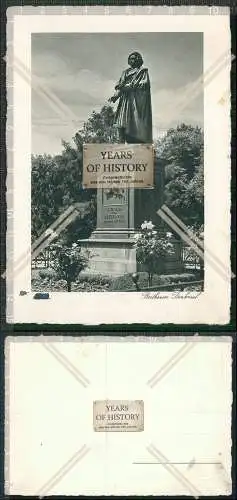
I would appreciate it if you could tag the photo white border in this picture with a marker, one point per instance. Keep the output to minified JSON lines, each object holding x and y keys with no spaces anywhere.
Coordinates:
{"x":210,"y":307}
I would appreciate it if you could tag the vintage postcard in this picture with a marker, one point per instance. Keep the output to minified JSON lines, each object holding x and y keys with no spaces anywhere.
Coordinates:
{"x":119,"y":171}
{"x":108,"y":416}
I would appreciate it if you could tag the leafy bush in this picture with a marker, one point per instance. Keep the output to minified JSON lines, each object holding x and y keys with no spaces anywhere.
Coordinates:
{"x":96,"y":279}
{"x":122,"y":283}
{"x":181,"y":278}
{"x":68,"y":261}
{"x":101,"y":283}
{"x":92,"y":283}
{"x":125,"y":282}
{"x":47,"y":274}
{"x":152,"y":248}
{"x":84,"y":283}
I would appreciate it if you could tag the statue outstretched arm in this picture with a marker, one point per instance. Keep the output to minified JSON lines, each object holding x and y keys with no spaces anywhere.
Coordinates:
{"x":119,"y":88}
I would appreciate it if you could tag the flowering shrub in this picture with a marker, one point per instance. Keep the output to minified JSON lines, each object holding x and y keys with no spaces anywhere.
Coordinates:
{"x":152,"y":248}
{"x":68,"y":261}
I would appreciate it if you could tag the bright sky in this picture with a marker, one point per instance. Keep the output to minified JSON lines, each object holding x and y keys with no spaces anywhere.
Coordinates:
{"x":78,"y":72}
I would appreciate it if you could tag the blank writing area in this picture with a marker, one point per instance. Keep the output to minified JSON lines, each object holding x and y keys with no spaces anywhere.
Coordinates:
{"x":52,"y":448}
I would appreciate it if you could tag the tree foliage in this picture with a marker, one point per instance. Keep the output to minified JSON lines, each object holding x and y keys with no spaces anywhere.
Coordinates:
{"x":57,"y":180}
{"x":181,"y":154}
{"x":99,"y":128}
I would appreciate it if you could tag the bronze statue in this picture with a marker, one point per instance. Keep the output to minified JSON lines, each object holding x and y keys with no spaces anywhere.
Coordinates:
{"x":133,"y":116}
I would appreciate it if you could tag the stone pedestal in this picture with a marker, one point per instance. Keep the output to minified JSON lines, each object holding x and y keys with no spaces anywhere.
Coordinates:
{"x":112,"y":257}
{"x":120,"y":213}
{"x":112,"y":243}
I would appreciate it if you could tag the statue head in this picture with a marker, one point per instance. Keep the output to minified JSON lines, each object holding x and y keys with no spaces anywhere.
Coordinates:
{"x":135,"y":60}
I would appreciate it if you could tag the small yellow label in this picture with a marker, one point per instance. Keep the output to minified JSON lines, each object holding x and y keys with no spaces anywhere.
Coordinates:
{"x":118,"y":416}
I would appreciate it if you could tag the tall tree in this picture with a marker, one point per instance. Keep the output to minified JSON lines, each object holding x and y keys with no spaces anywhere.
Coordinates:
{"x":99,"y":127}
{"x":181,"y":153}
{"x":57,"y":180}
{"x":45,"y":198}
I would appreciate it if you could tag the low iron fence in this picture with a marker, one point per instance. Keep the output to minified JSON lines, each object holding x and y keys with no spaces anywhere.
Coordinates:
{"x":42,"y":261}
{"x":189,"y":259}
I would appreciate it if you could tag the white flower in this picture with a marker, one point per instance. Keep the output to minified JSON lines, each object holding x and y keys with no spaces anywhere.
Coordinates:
{"x":150,"y":225}
{"x":147,"y":225}
{"x":169,"y":235}
{"x":74,"y":245}
{"x":144,"y":225}
{"x":136,"y":236}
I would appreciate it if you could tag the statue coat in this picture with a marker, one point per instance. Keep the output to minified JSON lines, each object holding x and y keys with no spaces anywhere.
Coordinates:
{"x":134,"y":107}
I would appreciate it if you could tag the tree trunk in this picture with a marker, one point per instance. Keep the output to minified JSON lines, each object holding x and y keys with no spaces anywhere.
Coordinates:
{"x":69,"y":286}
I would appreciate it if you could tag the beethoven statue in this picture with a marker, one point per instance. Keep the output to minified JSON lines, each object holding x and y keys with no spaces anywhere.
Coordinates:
{"x":133,"y":116}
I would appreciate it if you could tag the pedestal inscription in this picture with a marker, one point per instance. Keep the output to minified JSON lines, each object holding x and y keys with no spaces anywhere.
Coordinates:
{"x":115,"y":208}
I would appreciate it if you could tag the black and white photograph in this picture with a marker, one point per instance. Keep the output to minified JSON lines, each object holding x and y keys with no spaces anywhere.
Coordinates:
{"x":119,"y":168}
{"x":129,"y":89}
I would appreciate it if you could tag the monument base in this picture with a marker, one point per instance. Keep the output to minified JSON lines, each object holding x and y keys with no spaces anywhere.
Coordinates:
{"x":120,"y":212}
{"x":114,"y":255}
{"x":111,"y":256}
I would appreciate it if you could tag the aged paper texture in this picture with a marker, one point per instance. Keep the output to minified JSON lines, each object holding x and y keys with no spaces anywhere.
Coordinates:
{"x":51,"y":447}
